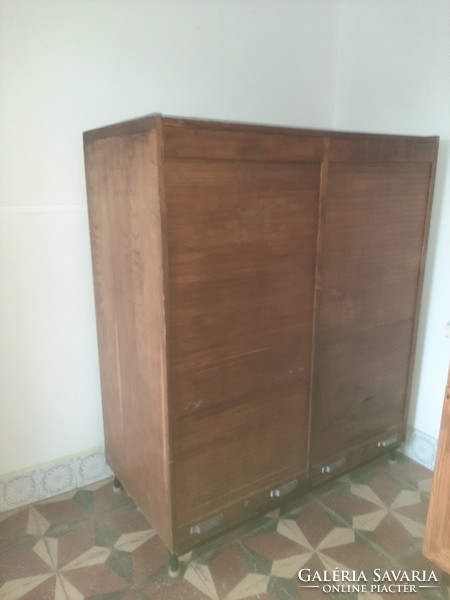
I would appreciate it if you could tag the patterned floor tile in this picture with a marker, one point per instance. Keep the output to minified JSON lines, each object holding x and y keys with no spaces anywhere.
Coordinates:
{"x":389,"y":511}
{"x":96,"y":580}
{"x":253,"y":584}
{"x":93,"y":544}
{"x":147,"y":560}
{"x":21,"y":561}
{"x":228,"y":570}
{"x":408,"y":471}
{"x":271,"y":546}
{"x":313,"y":538}
{"x":366,"y":471}
{"x":41,"y":586}
{"x":171,"y":589}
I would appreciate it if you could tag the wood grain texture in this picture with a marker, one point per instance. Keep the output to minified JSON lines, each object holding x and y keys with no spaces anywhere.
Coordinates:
{"x":381,"y":148}
{"x":240,"y":145}
{"x":241,"y":240}
{"x":366,"y":138}
{"x":257,"y":293}
{"x":127,"y":251}
{"x":436,"y":544}
{"x":134,"y":126}
{"x":375,"y":219}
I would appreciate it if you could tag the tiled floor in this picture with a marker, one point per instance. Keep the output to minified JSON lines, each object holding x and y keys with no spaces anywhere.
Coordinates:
{"x":94,"y":544}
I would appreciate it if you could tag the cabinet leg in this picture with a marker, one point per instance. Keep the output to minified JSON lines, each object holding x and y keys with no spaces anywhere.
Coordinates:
{"x":392,"y":457}
{"x":174,"y":565}
{"x":117,"y":486}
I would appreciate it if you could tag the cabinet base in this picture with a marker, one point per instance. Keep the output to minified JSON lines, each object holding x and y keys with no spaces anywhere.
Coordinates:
{"x":392,"y":457}
{"x":117,"y":486}
{"x":174,"y":565}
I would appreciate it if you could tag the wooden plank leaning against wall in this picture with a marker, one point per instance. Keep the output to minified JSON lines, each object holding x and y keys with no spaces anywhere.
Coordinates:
{"x":436,"y":544}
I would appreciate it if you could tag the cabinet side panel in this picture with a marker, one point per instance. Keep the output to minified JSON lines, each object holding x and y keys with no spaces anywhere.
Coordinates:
{"x":125,"y":227}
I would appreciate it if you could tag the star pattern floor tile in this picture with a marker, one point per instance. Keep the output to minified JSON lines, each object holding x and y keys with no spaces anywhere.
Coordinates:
{"x":93,"y":544}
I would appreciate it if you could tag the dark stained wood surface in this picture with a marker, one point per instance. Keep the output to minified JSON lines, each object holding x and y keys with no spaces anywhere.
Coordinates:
{"x":240,"y":145}
{"x":374,"y":224}
{"x":127,"y":251}
{"x":134,"y":126}
{"x":380,"y":148}
{"x":241,"y":241}
{"x":244,"y":275}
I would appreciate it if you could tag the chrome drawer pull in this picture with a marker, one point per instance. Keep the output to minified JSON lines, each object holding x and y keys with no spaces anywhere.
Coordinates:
{"x":284,"y":489}
{"x":392,"y":439}
{"x":206,"y":525}
{"x":327,"y":469}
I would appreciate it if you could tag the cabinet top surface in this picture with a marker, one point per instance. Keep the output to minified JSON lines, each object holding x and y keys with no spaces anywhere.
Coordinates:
{"x":145,"y":123}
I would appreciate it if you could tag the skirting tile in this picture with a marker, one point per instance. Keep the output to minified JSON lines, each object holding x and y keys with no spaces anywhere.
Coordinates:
{"x":91,"y":468}
{"x":45,"y":481}
{"x":20,"y":490}
{"x":48,"y":480}
{"x":420,"y":447}
{"x":57,"y":479}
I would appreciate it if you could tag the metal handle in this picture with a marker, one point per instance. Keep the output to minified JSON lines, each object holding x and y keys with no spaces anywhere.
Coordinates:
{"x":281,"y":490}
{"x":327,"y":469}
{"x":207,"y":524}
{"x":389,"y":441}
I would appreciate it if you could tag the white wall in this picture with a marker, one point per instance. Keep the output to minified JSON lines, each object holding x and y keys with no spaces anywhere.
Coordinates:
{"x":394,"y":76}
{"x":70,"y":66}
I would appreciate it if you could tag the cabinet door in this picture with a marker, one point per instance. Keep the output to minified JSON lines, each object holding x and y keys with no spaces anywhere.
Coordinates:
{"x":436,"y":545}
{"x":241,"y":247}
{"x":375,"y":216}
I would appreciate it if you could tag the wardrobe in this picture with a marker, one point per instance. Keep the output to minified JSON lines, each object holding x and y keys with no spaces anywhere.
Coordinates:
{"x":257,"y":294}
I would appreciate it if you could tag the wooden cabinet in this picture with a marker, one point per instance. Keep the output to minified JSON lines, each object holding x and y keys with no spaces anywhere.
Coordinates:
{"x":436,"y":544}
{"x":257,"y":292}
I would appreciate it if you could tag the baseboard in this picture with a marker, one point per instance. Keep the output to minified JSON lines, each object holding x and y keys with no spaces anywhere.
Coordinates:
{"x":51,"y":479}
